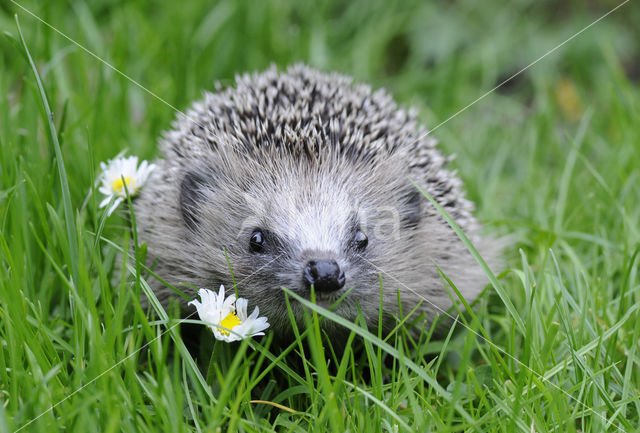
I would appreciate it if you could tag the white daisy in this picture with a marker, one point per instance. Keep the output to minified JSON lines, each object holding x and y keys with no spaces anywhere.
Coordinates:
{"x":228,"y":318}
{"x":113,"y":173}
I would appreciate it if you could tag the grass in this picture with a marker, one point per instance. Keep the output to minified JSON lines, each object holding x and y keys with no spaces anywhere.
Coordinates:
{"x":551,"y":159}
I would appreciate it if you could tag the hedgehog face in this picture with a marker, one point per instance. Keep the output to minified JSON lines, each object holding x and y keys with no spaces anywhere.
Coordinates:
{"x":303,"y":237}
{"x":308,"y":228}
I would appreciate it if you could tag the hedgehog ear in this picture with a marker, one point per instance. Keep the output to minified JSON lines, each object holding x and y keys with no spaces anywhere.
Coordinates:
{"x":411,"y":207}
{"x":193,"y":191}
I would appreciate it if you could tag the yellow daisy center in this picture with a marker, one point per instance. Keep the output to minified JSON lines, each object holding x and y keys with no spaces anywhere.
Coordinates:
{"x":118,"y":186}
{"x":229,"y":322}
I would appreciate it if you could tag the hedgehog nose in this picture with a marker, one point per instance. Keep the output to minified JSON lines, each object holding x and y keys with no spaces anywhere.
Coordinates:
{"x":325,"y":275}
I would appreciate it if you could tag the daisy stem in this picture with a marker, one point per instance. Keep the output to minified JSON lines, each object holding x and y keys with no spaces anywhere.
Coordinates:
{"x":212,"y":361}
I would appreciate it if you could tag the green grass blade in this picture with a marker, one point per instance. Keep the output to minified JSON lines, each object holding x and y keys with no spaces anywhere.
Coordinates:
{"x":69,"y":216}
{"x":384,"y":346}
{"x":474,"y":252}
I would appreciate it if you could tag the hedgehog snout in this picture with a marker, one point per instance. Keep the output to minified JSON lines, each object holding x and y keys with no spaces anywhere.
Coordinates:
{"x":325,"y":275}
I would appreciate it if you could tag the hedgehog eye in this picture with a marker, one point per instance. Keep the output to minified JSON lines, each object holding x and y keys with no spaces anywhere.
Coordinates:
{"x":360,"y":240}
{"x":257,"y":241}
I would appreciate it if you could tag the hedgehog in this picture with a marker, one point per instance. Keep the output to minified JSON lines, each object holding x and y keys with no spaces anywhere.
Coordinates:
{"x":302,"y":179}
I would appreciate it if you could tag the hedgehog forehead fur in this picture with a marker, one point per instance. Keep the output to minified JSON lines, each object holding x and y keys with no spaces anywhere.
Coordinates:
{"x":313,"y":164}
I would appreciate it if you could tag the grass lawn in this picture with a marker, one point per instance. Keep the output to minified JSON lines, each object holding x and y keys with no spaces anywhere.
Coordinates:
{"x":551,"y":158}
